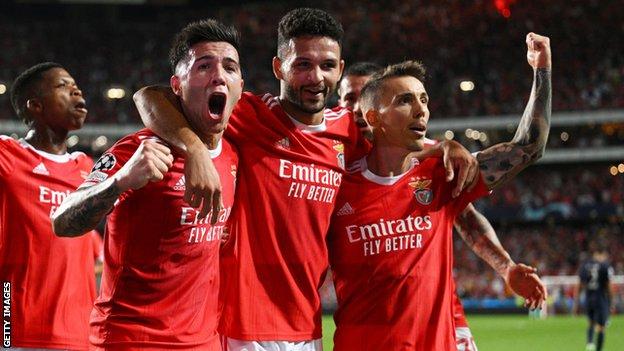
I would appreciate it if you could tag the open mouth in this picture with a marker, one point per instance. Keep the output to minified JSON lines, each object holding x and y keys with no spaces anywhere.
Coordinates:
{"x":418,"y":129}
{"x":81,"y":106}
{"x":216,"y":105}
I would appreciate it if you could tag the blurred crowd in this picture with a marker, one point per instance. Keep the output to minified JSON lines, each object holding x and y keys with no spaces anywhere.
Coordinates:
{"x":552,"y":249}
{"x":586,"y":192}
{"x":107,"y":46}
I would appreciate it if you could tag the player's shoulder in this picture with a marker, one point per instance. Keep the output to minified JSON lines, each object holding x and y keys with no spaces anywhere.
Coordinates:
{"x":261,"y":100}
{"x":337,"y":113}
{"x":7,"y":141}
{"x":431,"y":163}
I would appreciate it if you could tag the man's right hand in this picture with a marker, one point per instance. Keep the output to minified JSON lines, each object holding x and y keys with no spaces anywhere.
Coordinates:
{"x":149,"y":163}
{"x":203,"y":185}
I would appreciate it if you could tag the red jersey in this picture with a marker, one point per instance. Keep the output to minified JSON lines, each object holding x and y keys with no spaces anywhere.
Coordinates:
{"x":160,"y":282}
{"x":52,"y":279}
{"x":459,"y":314}
{"x":287,"y":187}
{"x":391,"y":254}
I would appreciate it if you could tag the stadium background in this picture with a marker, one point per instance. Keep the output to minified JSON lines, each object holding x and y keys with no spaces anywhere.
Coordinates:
{"x":478,"y":82}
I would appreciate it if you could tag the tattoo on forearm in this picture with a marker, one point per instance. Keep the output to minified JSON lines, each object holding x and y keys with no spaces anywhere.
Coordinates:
{"x":84,"y":209}
{"x":479,"y":235}
{"x":502,"y":161}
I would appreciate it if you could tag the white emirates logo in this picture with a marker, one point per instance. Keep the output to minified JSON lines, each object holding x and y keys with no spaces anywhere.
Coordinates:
{"x":41,"y":169}
{"x":345,"y":210}
{"x":180,"y":185}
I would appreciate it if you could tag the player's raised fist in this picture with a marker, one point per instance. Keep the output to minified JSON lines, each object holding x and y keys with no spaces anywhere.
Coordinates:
{"x":149,"y":163}
{"x":538,"y":51}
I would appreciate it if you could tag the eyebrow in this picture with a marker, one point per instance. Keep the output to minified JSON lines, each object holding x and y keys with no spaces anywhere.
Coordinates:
{"x":211,"y":57}
{"x":411,"y":93}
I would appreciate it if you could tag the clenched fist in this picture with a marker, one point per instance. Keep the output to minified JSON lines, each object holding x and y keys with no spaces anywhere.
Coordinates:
{"x":149,"y":163}
{"x":538,"y":51}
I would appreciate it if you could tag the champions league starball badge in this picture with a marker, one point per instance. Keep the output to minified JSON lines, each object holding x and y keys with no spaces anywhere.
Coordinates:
{"x":421,"y":190}
{"x":105,"y":163}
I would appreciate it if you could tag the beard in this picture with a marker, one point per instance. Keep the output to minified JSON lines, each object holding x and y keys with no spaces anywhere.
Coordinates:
{"x":294,"y":97}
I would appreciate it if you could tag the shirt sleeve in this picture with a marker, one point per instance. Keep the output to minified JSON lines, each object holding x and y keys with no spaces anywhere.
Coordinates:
{"x":241,"y":123}
{"x":466,"y":197}
{"x":111,"y":161}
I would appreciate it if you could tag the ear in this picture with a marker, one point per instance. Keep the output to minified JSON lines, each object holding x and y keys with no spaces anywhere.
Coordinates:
{"x":34,"y":106}
{"x":277,"y":68}
{"x":372,"y":117}
{"x":342,"y":66}
{"x":174,"y":81}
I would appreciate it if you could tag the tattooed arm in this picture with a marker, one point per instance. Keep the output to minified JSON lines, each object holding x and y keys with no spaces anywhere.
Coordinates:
{"x":83,"y":209}
{"x":503,"y":161}
{"x":479,"y":235}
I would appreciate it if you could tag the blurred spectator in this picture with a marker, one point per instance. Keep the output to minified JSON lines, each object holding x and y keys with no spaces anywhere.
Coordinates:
{"x":116,"y":45}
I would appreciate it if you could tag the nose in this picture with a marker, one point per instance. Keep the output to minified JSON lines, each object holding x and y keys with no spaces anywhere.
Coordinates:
{"x":316,"y":75}
{"x":419,"y":110}
{"x":218,"y":77}
{"x":76,"y":91}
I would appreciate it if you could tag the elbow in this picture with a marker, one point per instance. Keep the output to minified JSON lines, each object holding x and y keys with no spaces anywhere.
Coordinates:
{"x":139,"y":96}
{"x":60,"y":228}
{"x":539,"y":153}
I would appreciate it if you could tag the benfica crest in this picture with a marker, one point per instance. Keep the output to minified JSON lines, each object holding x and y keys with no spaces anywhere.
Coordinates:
{"x":421,"y":191}
{"x":339,"y":147}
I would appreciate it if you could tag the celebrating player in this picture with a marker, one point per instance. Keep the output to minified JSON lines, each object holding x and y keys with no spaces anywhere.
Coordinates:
{"x":390,"y":241}
{"x":595,"y":280}
{"x":293,"y":153}
{"x":350,"y":88}
{"x":51,"y":279}
{"x":160,"y":283}
{"x":472,"y":226}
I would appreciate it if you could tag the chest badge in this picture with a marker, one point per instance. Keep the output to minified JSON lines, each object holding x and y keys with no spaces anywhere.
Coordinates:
{"x":421,"y":190}
{"x":339,"y":147}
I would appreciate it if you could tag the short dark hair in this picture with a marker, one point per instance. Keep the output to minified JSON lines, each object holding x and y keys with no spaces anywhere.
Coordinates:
{"x":360,"y":69}
{"x":307,"y":22}
{"x":209,"y":30}
{"x":26,"y":86}
{"x":370,"y":91}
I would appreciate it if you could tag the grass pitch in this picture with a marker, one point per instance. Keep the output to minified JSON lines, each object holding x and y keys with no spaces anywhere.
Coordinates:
{"x":521,"y":333}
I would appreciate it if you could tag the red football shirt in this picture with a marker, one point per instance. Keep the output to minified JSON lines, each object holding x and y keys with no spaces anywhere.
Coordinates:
{"x":160,"y":283}
{"x":459,"y":314}
{"x":52,"y":279}
{"x":287,"y":186}
{"x":391,"y":254}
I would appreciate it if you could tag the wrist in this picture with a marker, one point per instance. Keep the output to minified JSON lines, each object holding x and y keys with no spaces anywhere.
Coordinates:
{"x":118,"y":184}
{"x":505,"y":270}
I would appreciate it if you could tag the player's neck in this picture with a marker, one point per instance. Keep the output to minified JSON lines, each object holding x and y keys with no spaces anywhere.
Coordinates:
{"x":295,"y":112}
{"x":389,"y":160}
{"x":46,"y":139}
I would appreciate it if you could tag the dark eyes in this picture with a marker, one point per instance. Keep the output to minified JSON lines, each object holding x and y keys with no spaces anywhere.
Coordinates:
{"x":408,"y":99}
